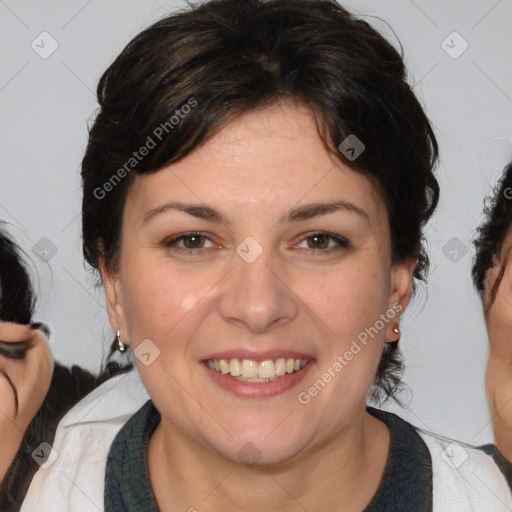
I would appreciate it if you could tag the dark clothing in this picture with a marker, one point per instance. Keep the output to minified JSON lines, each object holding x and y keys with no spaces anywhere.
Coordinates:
{"x":406,"y":484}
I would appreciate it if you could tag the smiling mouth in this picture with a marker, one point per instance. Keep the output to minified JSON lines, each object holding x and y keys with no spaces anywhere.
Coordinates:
{"x":248,"y":370}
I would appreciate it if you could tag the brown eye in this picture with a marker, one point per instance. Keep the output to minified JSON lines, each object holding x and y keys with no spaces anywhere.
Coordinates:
{"x":321,"y":242}
{"x":188,"y":242}
{"x":193,"y":241}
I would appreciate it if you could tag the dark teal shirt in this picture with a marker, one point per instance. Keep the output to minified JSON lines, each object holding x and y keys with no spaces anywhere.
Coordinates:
{"x":405,"y":486}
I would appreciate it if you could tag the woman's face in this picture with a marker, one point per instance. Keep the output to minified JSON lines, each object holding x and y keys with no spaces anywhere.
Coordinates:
{"x":254,"y":282}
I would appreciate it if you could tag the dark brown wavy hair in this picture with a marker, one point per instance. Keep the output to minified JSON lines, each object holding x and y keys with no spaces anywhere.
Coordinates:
{"x":491,"y":234}
{"x":231,"y":56}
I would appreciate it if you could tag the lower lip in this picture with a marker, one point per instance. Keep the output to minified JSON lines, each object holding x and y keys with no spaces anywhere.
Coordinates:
{"x":259,"y":389}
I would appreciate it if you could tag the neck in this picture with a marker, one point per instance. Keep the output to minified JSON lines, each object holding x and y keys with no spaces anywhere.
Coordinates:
{"x":344,"y":472}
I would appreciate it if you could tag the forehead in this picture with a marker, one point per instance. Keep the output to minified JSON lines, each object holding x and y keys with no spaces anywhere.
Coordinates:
{"x":263,"y":161}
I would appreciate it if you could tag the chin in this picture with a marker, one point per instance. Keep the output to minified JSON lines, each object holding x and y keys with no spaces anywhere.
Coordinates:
{"x":260,"y":453}
{"x":259,"y":447}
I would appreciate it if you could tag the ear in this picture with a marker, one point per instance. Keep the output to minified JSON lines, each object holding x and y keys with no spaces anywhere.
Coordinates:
{"x":399,"y":296}
{"x":114,"y":300}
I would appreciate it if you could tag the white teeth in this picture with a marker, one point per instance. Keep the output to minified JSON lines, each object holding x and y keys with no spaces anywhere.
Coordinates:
{"x":266,"y":369}
{"x":254,"y":371}
{"x":249,"y":368}
{"x":235,"y":368}
{"x":224,"y":366}
{"x":280,"y":366}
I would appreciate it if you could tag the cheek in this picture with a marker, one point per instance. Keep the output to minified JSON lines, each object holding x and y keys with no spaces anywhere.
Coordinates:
{"x":158,"y":299}
{"x":499,"y":317}
{"x":346,"y":301}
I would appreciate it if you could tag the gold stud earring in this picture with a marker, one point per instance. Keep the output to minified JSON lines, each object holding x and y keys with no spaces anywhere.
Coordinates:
{"x":396,"y":330}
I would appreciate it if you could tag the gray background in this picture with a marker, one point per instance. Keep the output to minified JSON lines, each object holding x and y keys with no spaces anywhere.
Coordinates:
{"x":46,"y":102}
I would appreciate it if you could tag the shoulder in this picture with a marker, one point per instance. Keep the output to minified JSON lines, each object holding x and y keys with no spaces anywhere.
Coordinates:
{"x":466,"y":477}
{"x":74,"y":471}
{"x":463,"y":477}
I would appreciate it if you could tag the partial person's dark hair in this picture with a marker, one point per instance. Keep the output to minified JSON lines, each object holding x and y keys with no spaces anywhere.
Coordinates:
{"x":16,"y":295}
{"x":67,"y":387}
{"x":181,"y":80}
{"x":491,"y":234}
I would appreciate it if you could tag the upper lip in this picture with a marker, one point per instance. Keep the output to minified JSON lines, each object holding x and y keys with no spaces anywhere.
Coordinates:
{"x":257,"y":356}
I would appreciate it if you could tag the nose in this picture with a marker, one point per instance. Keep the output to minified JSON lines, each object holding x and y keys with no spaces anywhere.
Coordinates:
{"x":256,"y":296}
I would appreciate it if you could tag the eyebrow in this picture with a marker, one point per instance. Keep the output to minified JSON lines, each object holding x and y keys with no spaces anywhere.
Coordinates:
{"x":296,"y":214}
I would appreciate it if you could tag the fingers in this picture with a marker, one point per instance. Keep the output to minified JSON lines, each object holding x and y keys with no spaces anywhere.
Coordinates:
{"x":39,"y":358}
{"x":18,"y":341}
{"x":15,"y":339}
{"x":26,"y":369}
{"x":5,"y":375}
{"x":11,"y":332}
{"x":25,"y":380}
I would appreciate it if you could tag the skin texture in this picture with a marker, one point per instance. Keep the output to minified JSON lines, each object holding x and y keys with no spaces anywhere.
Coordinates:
{"x":31,"y":377}
{"x":498,"y":376}
{"x":293,"y":297}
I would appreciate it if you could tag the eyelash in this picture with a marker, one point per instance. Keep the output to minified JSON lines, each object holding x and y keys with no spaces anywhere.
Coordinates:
{"x":342,"y":243}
